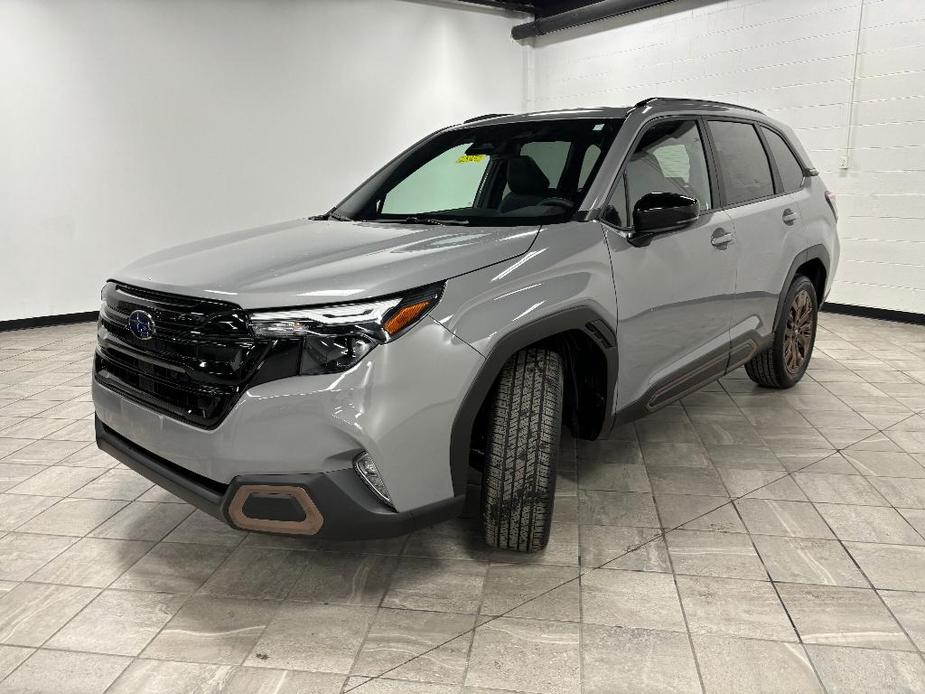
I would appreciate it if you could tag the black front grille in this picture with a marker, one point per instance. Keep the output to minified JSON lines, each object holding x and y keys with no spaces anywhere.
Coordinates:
{"x":198,"y":361}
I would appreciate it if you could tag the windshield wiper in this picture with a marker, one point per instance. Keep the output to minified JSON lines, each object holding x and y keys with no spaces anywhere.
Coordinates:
{"x":332,"y":215}
{"x":414,"y":219}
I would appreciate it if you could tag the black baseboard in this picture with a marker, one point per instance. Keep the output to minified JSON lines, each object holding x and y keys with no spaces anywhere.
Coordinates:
{"x":878,"y":313}
{"x":43,"y":321}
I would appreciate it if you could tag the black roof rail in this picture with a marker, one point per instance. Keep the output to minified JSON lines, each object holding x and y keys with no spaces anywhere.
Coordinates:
{"x":707,"y":102}
{"x":486,"y":116}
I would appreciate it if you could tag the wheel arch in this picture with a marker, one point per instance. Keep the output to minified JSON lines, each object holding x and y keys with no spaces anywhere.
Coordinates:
{"x":814,"y":263}
{"x":588,"y":348}
{"x":815,"y":271}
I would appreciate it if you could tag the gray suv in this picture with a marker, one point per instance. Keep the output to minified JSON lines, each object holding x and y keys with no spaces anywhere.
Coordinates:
{"x":347,"y":376}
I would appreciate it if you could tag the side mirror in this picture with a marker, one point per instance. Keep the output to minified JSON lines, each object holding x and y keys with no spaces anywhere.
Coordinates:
{"x":656,"y":213}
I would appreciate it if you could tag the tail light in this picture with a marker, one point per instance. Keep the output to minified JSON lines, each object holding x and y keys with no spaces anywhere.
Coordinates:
{"x":830,"y":198}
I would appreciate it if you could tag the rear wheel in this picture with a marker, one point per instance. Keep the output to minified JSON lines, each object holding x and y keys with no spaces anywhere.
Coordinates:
{"x":519,"y":478}
{"x":783,"y":364}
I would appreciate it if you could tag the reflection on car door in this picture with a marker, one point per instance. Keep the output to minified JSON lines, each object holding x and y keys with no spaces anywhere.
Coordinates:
{"x":674,"y":294}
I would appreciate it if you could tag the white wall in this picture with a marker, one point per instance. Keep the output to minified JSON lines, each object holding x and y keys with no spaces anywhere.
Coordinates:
{"x":794,"y":59}
{"x":130,"y":125}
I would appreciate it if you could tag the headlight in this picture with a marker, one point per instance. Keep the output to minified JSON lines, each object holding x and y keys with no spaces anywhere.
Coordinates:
{"x":334,"y":338}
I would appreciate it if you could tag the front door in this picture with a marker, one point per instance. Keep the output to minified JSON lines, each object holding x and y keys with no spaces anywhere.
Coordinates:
{"x":675,"y":294}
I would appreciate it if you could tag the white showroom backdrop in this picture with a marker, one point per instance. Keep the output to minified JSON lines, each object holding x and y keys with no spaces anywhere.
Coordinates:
{"x":131,"y":125}
{"x":795,"y":60}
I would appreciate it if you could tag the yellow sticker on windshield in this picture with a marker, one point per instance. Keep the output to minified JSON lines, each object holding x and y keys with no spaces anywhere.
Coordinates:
{"x":469,"y":158}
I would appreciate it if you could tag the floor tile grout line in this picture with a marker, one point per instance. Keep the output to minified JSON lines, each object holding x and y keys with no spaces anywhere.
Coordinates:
{"x":839,"y":451}
{"x":378,"y":608}
{"x":783,"y":605}
{"x":760,"y":558}
{"x":478,"y":614}
{"x":611,"y":560}
{"x":876,"y":592}
{"x":19,"y":528}
{"x":100,"y":591}
{"x":37,"y":649}
{"x":162,"y":540}
{"x":674,"y":578}
{"x":851,"y":555}
{"x":24,"y":661}
{"x":187,"y":597}
{"x":862,"y":380}
{"x":102,"y":471}
{"x":867,"y":578}
{"x":302,"y":557}
{"x":662,"y":534}
{"x":756,"y":639}
{"x":229,"y":596}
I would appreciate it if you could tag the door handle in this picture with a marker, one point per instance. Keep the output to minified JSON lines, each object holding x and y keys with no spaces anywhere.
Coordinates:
{"x":721,"y":238}
{"x":790,"y":216}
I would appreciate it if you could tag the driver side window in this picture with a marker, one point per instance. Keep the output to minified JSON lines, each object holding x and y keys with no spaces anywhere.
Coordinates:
{"x":668,"y":159}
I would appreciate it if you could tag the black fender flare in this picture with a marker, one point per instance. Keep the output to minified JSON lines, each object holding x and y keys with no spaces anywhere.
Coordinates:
{"x":818,"y":252}
{"x":582,"y":318}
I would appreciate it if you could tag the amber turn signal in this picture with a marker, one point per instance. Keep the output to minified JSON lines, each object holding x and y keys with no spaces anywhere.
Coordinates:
{"x":405,"y":316}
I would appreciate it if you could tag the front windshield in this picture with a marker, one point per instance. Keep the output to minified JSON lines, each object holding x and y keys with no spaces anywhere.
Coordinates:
{"x":516,"y":173}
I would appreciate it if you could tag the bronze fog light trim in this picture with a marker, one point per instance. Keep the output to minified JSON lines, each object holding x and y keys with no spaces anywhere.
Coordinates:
{"x":309,"y":526}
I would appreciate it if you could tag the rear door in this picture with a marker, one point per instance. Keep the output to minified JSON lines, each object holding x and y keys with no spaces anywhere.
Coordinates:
{"x":762,"y":199}
{"x":673,"y":294}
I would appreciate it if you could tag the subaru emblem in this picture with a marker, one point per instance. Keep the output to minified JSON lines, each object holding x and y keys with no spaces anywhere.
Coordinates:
{"x":141,"y":324}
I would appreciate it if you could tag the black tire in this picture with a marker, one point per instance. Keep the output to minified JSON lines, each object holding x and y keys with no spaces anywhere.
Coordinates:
{"x":783,"y":364}
{"x":522,"y":447}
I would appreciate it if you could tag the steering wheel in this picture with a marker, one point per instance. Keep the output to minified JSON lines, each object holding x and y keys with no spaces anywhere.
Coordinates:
{"x":564,"y":203}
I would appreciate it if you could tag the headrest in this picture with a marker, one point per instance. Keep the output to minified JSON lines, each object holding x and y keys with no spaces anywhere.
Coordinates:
{"x":524,"y":176}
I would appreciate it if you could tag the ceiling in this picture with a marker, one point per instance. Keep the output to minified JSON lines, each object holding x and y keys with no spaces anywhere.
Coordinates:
{"x":541,"y":8}
{"x":544,"y":8}
{"x":555,"y":15}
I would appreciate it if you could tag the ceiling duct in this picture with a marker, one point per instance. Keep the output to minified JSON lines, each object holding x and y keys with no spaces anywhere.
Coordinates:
{"x":603,"y":9}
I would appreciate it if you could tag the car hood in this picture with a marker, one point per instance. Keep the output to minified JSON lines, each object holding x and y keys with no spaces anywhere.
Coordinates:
{"x":307,"y":262}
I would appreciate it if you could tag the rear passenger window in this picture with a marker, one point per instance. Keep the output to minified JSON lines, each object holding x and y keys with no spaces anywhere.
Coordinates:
{"x":791,"y":172}
{"x":743,"y":163}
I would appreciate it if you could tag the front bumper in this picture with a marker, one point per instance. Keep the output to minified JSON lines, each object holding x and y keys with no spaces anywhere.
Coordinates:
{"x":346,"y":509}
{"x":398,"y":405}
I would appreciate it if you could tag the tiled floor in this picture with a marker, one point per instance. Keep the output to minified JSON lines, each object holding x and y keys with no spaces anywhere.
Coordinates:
{"x":745,"y":540}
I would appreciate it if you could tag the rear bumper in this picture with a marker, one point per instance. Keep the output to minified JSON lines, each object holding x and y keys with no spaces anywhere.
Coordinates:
{"x":347,"y":509}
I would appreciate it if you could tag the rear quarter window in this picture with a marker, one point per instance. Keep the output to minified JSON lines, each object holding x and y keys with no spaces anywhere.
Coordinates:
{"x":791,"y":172}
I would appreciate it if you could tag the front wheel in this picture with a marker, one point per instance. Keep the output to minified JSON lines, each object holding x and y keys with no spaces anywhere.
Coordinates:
{"x":519,"y":479}
{"x":783,"y":364}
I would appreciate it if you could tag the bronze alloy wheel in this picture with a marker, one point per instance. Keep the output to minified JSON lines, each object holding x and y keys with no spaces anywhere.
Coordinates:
{"x":784,"y":362}
{"x":798,"y":336}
